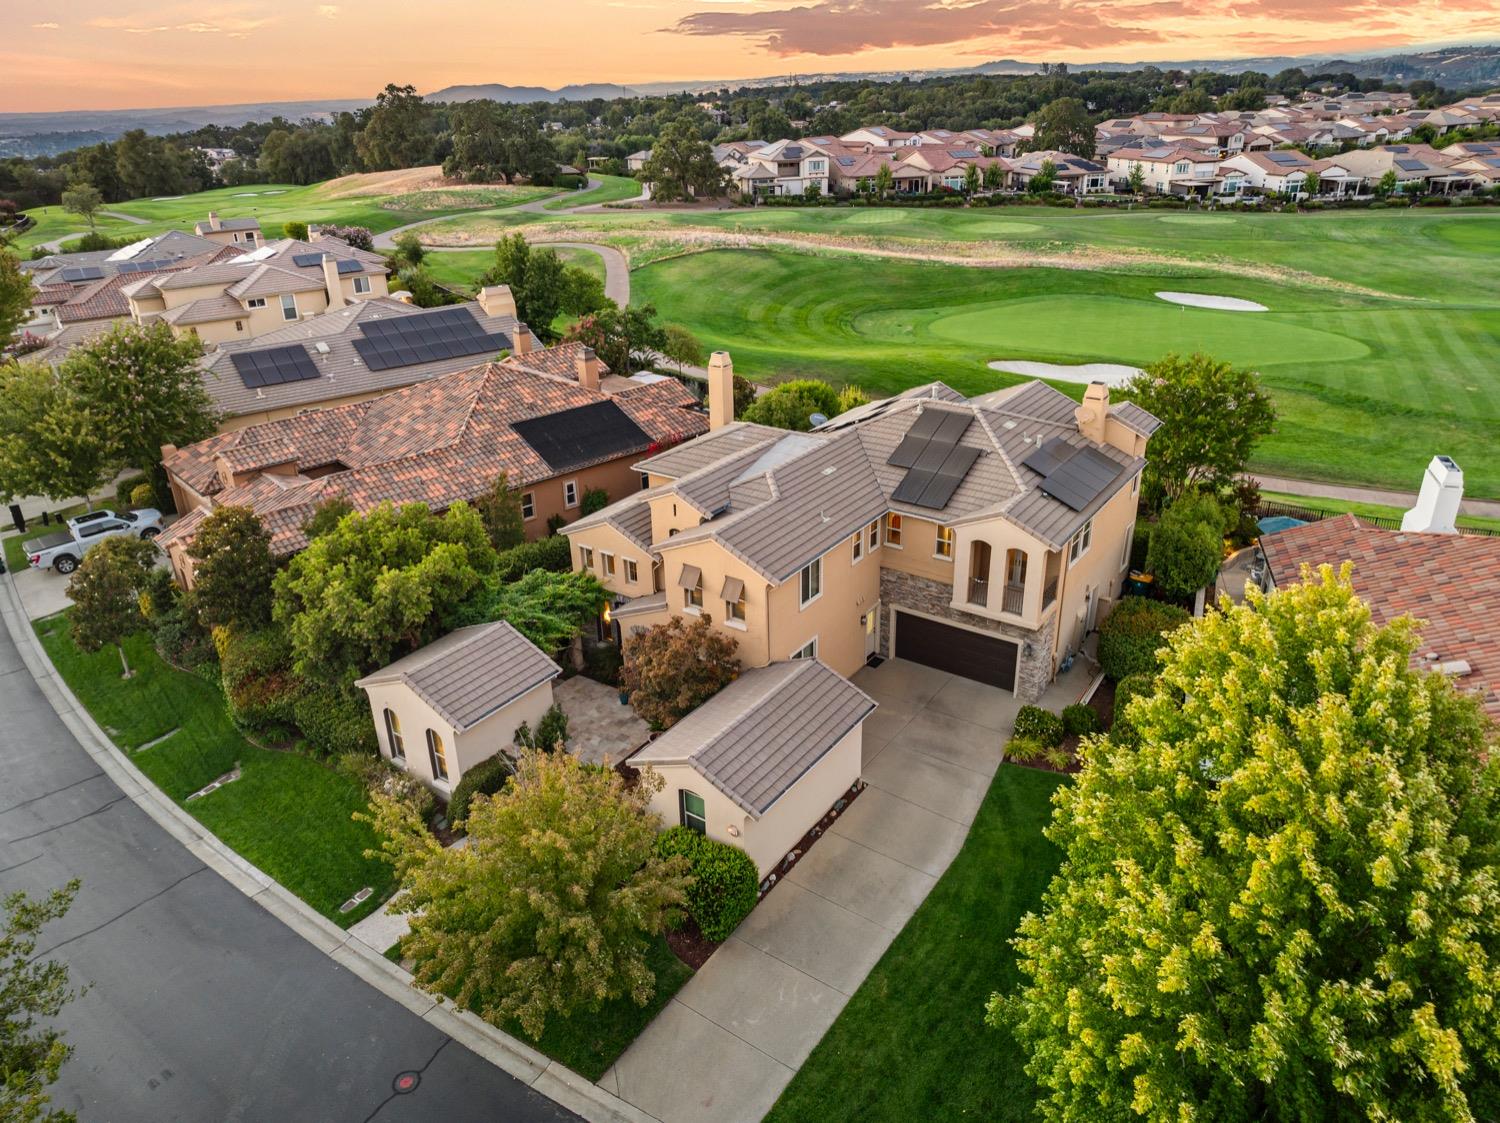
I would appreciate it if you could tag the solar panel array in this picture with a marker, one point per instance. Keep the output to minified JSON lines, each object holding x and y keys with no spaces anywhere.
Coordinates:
{"x":345,"y":264}
{"x":935,"y":462}
{"x":401,"y":341}
{"x":145,"y":266}
{"x":1070,"y":474}
{"x":83,"y":273}
{"x":274,"y":366}
{"x":587,"y":434}
{"x":1410,"y":165}
{"x":1284,"y":158}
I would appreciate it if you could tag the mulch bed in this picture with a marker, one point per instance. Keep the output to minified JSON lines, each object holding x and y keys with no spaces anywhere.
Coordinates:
{"x":690,"y":945}
{"x":1103,"y":704}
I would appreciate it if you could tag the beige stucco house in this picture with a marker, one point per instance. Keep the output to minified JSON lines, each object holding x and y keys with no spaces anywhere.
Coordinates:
{"x":458,"y":701}
{"x":760,"y":762}
{"x":230,"y":231}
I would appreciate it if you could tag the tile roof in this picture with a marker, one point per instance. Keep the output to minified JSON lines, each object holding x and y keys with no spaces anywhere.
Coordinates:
{"x":471,"y":672}
{"x":760,"y":734}
{"x":1452,"y":581}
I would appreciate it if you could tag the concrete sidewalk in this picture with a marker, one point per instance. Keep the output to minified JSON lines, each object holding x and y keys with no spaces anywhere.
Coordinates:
{"x":732,"y":1039}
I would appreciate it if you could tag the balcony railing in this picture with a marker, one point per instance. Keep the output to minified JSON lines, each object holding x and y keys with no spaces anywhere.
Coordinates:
{"x":1049,"y":593}
{"x":1015,"y":597}
{"x":979,"y":591}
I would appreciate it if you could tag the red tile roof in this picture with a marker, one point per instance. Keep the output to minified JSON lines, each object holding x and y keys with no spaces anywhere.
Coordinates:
{"x":1452,"y":581}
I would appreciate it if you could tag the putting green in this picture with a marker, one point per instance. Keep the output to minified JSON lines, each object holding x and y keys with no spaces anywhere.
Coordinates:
{"x":1198,"y":219}
{"x":1004,"y":227}
{"x":1132,"y":331}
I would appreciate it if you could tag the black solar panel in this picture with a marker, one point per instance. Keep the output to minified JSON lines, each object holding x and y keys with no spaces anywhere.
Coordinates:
{"x":583,"y":435}
{"x":82,"y":273}
{"x":145,"y":266}
{"x":448,"y":333}
{"x":907,"y":451}
{"x":910,"y":489}
{"x":274,"y":366}
{"x":306,"y":259}
{"x":1410,"y":165}
{"x":1046,"y":459}
{"x":933,"y":486}
{"x":349,"y":265}
{"x":1079,"y":480}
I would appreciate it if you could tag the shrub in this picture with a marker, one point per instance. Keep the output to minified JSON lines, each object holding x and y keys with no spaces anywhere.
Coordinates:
{"x":674,"y":667}
{"x":1058,"y":757}
{"x":1024,"y":750}
{"x":142,"y":495}
{"x":488,"y":777}
{"x":1131,"y":686}
{"x":178,"y":636}
{"x":125,"y":490}
{"x":594,"y":499}
{"x":335,"y":721}
{"x":1132,"y":633}
{"x":725,"y":883}
{"x":294,"y":229}
{"x":1187,"y":545}
{"x":379,"y":776}
{"x":359,"y":237}
{"x":1036,"y":724}
{"x":550,"y":732}
{"x":256,"y":668}
{"x":1079,"y":719}
{"x":552,"y":553}
{"x":603,"y":663}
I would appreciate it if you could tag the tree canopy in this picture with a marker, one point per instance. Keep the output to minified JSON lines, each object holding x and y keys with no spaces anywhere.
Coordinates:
{"x":625,"y":339}
{"x":32,"y":990}
{"x":1280,"y":901}
{"x":536,"y":279}
{"x":16,"y":292}
{"x":674,"y":667}
{"x":232,"y":569}
{"x":1186,"y":547}
{"x":495,"y":143}
{"x":1064,"y":125}
{"x":790,"y":405}
{"x":49,"y":443}
{"x":682,"y":166}
{"x":106,"y":593}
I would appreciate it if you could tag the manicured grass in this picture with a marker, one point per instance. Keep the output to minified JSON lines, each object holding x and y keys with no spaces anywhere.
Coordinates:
{"x":611,"y":189}
{"x":1375,"y":510}
{"x":461,"y":269}
{"x":912,"y":1043}
{"x":15,"y":556}
{"x":289,"y":815}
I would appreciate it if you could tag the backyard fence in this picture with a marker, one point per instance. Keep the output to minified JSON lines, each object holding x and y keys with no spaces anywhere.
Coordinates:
{"x":1268,"y":508}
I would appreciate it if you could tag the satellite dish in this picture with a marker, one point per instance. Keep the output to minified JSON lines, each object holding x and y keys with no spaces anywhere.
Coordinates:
{"x":817,"y":419}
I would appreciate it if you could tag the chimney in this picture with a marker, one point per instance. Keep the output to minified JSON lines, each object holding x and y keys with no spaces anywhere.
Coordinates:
{"x":213,"y":221}
{"x":587,"y":365}
{"x":1437,"y":502}
{"x":497,"y":300}
{"x":522,"y":341}
{"x":720,"y":390}
{"x":1093,"y":414}
{"x":332,"y":283}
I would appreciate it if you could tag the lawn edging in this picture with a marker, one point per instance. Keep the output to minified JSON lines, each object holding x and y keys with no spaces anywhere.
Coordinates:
{"x":526,"y":1064}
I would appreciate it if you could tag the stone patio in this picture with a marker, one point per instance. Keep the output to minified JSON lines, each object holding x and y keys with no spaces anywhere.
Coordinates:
{"x":598,"y":725}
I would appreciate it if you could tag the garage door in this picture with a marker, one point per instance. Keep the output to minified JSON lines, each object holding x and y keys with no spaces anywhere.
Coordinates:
{"x":958,"y":651}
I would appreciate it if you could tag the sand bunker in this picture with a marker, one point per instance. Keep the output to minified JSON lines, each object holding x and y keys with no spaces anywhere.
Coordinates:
{"x":1204,"y":300}
{"x":1111,"y":374}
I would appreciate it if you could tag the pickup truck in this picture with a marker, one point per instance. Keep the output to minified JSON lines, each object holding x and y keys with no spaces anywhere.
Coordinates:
{"x":63,"y":550}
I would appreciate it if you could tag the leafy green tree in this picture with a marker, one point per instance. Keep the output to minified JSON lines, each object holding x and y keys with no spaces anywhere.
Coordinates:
{"x":971,"y":179}
{"x":327,"y":515}
{"x":885,"y":181}
{"x":1044,"y":179}
{"x":84,"y":200}
{"x":547,"y":607}
{"x":1386,"y":187}
{"x":1187,"y":545}
{"x":48,"y":444}
{"x":682,"y":347}
{"x":409,"y":248}
{"x":994,"y":176}
{"x":582,"y":292}
{"x":1212,"y":414}
{"x":536,"y":280}
{"x":378,"y":586}
{"x":744,"y":395}
{"x":673,"y":668}
{"x":143,"y":389}
{"x":498,"y":143}
{"x":625,"y":339}
{"x":551,"y":909}
{"x":1246,"y":98}
{"x":791,"y":404}
{"x":771,"y":124}
{"x":1064,"y":125}
{"x":500,"y":510}
{"x":1280,"y":902}
{"x":399,"y":132}
{"x":16,"y":293}
{"x":232,"y":570}
{"x":1195,"y":99}
{"x":32,"y":990}
{"x":423,"y":286}
{"x":106,"y":593}
{"x":1137,"y":179}
{"x":682,"y":166}
{"x":1312,"y":183}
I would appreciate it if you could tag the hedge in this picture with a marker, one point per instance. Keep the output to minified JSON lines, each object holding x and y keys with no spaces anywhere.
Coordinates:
{"x":725,"y":883}
{"x":1131,"y":686}
{"x":1132,"y":633}
{"x":1080,"y":718}
{"x":335,"y":721}
{"x":552,"y":553}
{"x":488,"y":777}
{"x":1036,"y":724}
{"x":256,"y":668}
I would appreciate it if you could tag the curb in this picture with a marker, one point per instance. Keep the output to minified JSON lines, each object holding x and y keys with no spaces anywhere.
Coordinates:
{"x":541,"y":1073}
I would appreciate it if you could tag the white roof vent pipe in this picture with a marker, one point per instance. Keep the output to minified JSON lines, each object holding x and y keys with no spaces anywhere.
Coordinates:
{"x":1437,"y":503}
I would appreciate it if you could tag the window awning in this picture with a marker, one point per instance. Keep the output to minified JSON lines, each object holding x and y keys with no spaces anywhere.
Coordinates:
{"x":690,"y":577}
{"x":734,"y":589}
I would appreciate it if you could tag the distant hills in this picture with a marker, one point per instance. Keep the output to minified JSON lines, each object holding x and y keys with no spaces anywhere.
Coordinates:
{"x":37,"y":134}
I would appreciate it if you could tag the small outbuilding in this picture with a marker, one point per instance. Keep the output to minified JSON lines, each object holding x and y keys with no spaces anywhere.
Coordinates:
{"x":762,"y":761}
{"x":458,"y":701}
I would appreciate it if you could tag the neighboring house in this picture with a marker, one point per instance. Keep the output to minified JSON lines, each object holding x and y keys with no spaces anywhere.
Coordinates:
{"x":878,"y":135}
{"x":1451,"y":581}
{"x":341,"y":357}
{"x":1169,"y":170}
{"x":1075,"y":175}
{"x":986,"y":536}
{"x":259,"y":292}
{"x":784,"y":167}
{"x":763,"y":760}
{"x":458,"y":701}
{"x":244,"y":232}
{"x":637,"y":160}
{"x":444,"y":440}
{"x":1415,"y":166}
{"x":946,"y":167}
{"x":1273,"y":173}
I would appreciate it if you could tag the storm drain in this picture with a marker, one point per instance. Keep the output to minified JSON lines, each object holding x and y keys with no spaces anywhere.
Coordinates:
{"x":355,"y":901}
{"x":228,"y":778}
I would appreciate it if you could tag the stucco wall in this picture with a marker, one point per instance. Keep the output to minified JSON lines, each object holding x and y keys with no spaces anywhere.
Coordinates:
{"x":768,"y":839}
{"x":917,"y":553}
{"x":603,"y":540}
{"x":1102,"y":568}
{"x":850,"y":589}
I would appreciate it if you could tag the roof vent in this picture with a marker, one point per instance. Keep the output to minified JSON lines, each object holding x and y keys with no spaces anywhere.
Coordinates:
{"x":320,"y":347}
{"x":1453,"y":668}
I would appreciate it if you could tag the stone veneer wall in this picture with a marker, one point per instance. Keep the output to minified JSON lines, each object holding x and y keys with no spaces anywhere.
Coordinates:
{"x":932,"y":598}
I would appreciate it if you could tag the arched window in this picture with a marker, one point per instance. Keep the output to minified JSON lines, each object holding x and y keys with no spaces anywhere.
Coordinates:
{"x":393,"y":735}
{"x":437,"y":756}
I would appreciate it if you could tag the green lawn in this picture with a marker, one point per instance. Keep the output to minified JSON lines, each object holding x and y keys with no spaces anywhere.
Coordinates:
{"x":611,"y":189}
{"x":461,"y":269}
{"x":1375,"y":510}
{"x":288,"y":814}
{"x":912,"y":1043}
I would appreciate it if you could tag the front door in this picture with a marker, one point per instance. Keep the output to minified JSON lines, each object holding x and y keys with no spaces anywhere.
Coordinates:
{"x":871,"y":621}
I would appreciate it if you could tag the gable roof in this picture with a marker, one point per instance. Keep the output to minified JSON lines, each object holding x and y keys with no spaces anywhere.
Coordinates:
{"x":760,"y":734}
{"x":1452,"y":581}
{"x":470,"y":673}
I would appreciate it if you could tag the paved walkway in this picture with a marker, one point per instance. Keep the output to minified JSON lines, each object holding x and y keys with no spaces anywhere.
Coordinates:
{"x":1486,"y":508}
{"x":598,"y":725}
{"x":731,"y":1040}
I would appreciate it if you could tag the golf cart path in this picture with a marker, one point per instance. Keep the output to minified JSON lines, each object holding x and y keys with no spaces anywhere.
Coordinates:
{"x":1484,"y":508}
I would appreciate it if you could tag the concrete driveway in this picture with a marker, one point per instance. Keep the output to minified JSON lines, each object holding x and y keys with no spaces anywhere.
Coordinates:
{"x":731,"y":1040}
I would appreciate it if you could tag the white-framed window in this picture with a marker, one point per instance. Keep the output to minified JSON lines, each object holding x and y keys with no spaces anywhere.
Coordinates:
{"x":812,"y":581}
{"x":528,"y":505}
{"x":645,"y":480}
{"x":808,"y":650}
{"x":893,"y":531}
{"x":692,"y":810}
{"x":607,"y":560}
{"x":393,"y":735}
{"x":256,"y":302}
{"x":437,"y":755}
{"x":361,"y":285}
{"x":570,"y":493}
{"x":692,"y":595}
{"x":632,"y":574}
{"x":288,"y":306}
{"x":1081,"y":542}
{"x":944,"y":547}
{"x":586,"y":557}
{"x":872,"y":535}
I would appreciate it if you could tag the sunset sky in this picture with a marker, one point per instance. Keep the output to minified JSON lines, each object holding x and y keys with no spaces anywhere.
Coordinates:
{"x":100,"y":54}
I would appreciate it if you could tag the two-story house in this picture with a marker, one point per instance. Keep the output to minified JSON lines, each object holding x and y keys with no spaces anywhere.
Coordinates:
{"x":983,"y":536}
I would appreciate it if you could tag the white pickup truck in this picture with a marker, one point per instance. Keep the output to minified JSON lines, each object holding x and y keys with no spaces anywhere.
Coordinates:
{"x":63,"y":550}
